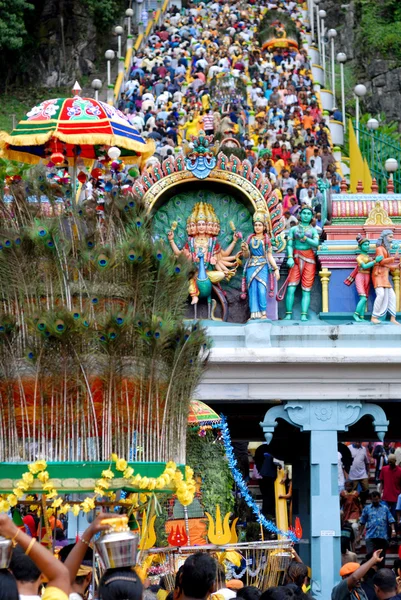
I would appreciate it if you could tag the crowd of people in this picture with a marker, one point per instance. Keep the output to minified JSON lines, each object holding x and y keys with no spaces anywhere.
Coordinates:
{"x":369,"y":518}
{"x":173,"y":93}
{"x":34,"y":573}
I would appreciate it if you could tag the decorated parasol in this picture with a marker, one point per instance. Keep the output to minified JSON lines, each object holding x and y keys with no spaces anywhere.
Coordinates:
{"x":71,"y":128}
{"x":201,"y":415}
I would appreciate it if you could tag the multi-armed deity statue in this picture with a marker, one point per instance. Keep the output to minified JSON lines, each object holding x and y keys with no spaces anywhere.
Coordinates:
{"x":213,"y":263}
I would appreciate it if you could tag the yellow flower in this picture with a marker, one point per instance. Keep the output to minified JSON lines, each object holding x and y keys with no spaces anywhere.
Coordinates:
{"x":43,"y":476}
{"x":189,"y":473}
{"x":29,"y":498}
{"x":178,"y":477}
{"x":57,"y":503}
{"x":76,"y":510}
{"x":4,"y":506}
{"x":108,"y":474}
{"x":33,"y":508}
{"x":65,"y":509}
{"x":160,"y":482}
{"x":48,"y":486}
{"x":23,"y":486}
{"x":171,"y":465}
{"x":103,"y":483}
{"x":135,"y":481}
{"x":12,"y":500}
{"x":112,"y":496}
{"x":128,"y":473}
{"x":39,"y":465}
{"x":114,"y":457}
{"x":88,"y":504}
{"x":152,"y":483}
{"x":18,"y":493}
{"x":143,"y":498}
{"x":121,"y":464}
{"x":49,"y":512}
{"x":52,"y":494}
{"x":27,"y":478}
{"x":99,"y":491}
{"x":143,"y":484}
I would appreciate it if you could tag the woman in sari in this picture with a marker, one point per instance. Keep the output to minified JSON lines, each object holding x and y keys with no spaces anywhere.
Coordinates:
{"x":259,"y":268}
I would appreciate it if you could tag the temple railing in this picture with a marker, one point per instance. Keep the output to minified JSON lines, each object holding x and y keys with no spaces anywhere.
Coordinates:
{"x":377,"y":148}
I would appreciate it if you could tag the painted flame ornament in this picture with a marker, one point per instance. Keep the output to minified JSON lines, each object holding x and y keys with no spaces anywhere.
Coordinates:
{"x":219,"y":533}
{"x":148,"y":537}
{"x":177,"y":538}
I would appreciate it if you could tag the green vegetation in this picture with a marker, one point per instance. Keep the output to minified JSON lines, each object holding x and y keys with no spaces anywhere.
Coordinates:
{"x":380,"y":27}
{"x":207,"y":458}
{"x":12,"y":23}
{"x":20,"y":101}
{"x":104,"y":13}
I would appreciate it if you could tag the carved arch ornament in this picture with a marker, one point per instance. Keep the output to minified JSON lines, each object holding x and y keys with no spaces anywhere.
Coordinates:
{"x":331,"y":415}
{"x":157,"y":179}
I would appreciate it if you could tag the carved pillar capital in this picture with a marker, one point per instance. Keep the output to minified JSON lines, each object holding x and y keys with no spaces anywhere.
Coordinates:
{"x":330,"y":415}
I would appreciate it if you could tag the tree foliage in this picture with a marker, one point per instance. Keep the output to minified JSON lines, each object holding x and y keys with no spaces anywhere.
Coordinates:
{"x":207,"y":458}
{"x":12,"y":23}
{"x":104,"y":13}
{"x":379,"y":27}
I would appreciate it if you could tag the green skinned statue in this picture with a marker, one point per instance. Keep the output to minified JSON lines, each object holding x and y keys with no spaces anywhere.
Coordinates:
{"x":303,"y":240}
{"x":361,"y":275}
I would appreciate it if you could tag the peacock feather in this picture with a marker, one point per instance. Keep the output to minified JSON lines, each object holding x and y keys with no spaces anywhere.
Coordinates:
{"x":94,"y":353}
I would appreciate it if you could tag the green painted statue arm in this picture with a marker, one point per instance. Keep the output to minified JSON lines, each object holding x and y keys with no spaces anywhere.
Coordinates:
{"x":368,"y":265}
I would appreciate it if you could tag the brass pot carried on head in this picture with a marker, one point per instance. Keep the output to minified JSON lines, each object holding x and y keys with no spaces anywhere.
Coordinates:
{"x":6,"y":550}
{"x":118,"y":546}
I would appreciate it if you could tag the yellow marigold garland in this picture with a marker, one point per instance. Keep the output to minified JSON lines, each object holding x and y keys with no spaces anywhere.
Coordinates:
{"x":171,"y":476}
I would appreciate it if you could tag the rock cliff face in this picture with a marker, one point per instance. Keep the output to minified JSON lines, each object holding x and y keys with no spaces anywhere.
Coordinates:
{"x":66,"y":42}
{"x":382,"y":76}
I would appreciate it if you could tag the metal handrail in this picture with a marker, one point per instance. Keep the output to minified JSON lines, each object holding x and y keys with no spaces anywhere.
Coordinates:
{"x":377,"y":148}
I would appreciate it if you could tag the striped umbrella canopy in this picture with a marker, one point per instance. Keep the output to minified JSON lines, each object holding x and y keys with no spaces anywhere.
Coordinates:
{"x":78,"y":128}
{"x":200,"y":414}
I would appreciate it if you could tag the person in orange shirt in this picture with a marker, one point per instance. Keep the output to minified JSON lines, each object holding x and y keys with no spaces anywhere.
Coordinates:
{"x":309,"y":151}
{"x":307,"y":120}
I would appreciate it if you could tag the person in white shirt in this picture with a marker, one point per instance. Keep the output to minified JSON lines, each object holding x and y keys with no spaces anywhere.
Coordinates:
{"x":255,"y":92}
{"x":289,"y":220}
{"x":318,"y":165}
{"x":359,"y":470}
{"x":261,"y":101}
{"x":290,"y":99}
{"x":138,"y":122}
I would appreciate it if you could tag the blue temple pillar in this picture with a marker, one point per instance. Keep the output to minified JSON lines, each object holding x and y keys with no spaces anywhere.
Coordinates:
{"x":323,"y":420}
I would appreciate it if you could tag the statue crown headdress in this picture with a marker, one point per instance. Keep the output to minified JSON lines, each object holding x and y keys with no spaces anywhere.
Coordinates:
{"x":260,"y":217}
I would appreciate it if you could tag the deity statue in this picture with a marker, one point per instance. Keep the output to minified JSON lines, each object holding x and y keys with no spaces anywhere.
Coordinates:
{"x":361,"y":275}
{"x":302,"y":242}
{"x":202,"y":248}
{"x":259,"y":267}
{"x":384,"y":263}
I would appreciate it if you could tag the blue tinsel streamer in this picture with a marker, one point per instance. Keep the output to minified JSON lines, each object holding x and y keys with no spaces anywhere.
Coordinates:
{"x":243,"y":488}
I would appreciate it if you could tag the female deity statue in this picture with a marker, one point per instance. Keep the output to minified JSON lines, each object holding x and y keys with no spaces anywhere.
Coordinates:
{"x":203,"y":228}
{"x":259,"y":267}
{"x":362,"y":276}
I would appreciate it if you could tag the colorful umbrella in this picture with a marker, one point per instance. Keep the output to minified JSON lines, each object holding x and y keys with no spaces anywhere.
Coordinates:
{"x":200,"y":414}
{"x":77,"y":128}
